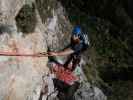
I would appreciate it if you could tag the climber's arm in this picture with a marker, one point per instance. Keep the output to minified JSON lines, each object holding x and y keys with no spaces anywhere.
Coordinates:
{"x":67,"y":51}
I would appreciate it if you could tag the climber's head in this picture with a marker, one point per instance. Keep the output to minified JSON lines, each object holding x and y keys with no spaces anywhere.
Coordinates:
{"x":76,"y":31}
{"x":76,"y":34}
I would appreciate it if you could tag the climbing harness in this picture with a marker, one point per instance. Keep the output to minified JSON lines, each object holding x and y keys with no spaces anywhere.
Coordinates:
{"x":64,"y":74}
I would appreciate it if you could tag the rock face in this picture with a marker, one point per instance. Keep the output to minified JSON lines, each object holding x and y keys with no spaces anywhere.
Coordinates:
{"x":89,"y":92}
{"x":21,"y":77}
{"x":9,"y":9}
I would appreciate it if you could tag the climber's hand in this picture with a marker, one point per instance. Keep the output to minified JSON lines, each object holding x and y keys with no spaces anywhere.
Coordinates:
{"x":52,"y":53}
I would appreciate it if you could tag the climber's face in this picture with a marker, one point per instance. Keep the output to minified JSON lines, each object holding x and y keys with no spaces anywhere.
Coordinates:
{"x":75,"y":39}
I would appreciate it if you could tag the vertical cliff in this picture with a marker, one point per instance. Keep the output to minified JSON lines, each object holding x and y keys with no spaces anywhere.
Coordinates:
{"x":28,"y":27}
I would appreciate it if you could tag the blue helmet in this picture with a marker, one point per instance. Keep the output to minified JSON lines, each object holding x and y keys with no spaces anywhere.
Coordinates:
{"x":77,"y":31}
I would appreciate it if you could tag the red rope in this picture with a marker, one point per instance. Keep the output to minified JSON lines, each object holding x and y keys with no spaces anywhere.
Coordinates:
{"x":22,"y":54}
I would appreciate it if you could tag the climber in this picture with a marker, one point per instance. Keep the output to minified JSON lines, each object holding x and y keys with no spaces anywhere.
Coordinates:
{"x":79,"y":43}
{"x":65,"y":83}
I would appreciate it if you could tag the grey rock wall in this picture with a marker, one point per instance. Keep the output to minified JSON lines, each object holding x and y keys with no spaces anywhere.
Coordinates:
{"x":21,"y":77}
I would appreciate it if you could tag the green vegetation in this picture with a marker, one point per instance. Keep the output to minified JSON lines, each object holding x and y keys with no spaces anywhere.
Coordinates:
{"x":122,"y":90}
{"x":90,"y":72}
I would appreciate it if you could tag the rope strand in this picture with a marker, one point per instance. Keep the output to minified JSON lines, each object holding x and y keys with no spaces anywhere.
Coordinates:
{"x":44,"y":54}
